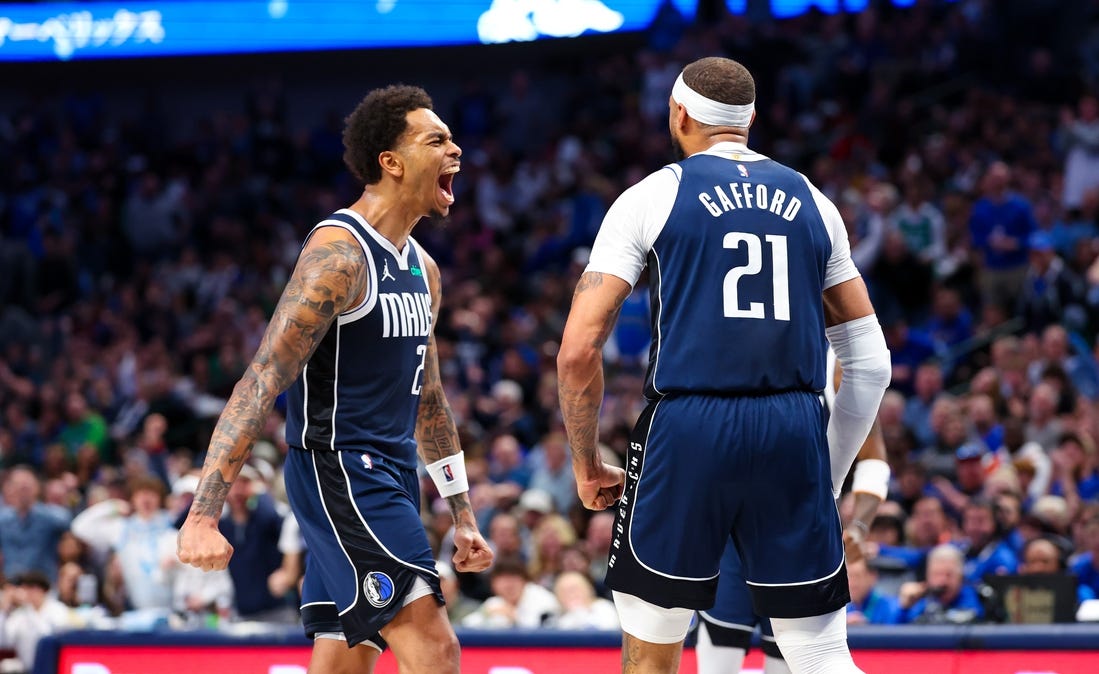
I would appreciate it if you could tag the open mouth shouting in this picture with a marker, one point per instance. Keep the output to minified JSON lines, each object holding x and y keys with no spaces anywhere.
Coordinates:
{"x":446,"y":184}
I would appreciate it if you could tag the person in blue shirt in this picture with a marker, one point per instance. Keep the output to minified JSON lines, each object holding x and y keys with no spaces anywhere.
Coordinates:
{"x":944,"y":597}
{"x":986,"y":553}
{"x":999,"y":226}
{"x":29,"y":529}
{"x":868,"y":606}
{"x":1086,"y":564}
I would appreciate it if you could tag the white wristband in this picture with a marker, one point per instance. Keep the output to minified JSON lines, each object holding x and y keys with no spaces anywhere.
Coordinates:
{"x":449,"y":475}
{"x":871,"y":477}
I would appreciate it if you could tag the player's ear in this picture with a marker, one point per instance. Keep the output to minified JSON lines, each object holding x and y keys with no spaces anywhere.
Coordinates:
{"x":391,"y":163}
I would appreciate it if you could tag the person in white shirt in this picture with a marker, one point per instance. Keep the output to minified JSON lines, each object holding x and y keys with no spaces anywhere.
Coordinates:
{"x":515,"y":600}
{"x":36,"y":614}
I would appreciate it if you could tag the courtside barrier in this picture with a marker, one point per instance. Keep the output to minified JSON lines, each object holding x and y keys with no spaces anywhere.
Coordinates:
{"x":977,"y":649}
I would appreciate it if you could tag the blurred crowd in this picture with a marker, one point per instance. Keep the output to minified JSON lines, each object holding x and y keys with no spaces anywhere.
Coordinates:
{"x":960,"y":143}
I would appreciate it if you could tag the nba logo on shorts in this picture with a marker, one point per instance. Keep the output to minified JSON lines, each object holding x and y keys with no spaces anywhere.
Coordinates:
{"x":378,"y":588}
{"x":448,"y":473}
{"x":368,"y":462}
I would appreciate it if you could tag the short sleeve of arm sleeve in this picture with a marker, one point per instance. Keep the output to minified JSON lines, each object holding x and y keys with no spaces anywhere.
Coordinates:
{"x":840,"y":266}
{"x":632,"y":224}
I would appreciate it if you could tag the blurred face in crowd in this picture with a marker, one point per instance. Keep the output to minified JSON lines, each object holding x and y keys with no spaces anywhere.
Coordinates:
{"x":573,"y":591}
{"x":861,"y":579}
{"x":945,"y":574}
{"x":982,"y":413}
{"x":1041,"y":556}
{"x":971,"y":475}
{"x":145,"y":502}
{"x":503,"y":531}
{"x":1054,"y":343}
{"x":927,"y":521}
{"x":929,"y":381}
{"x":509,"y":587}
{"x":1043,"y":402}
{"x":601,"y":532}
{"x":22,"y":489}
{"x":979,"y":525}
{"x":1008,"y":510}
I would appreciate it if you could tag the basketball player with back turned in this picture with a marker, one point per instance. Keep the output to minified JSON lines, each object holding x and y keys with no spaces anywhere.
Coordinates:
{"x":751,"y":279}
{"x":352,"y":339}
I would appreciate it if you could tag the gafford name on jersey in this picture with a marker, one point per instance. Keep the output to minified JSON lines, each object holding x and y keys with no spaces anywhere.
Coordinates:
{"x":748,"y":195}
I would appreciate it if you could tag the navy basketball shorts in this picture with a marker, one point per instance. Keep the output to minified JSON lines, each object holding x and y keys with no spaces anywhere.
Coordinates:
{"x":732,"y":620}
{"x":366,"y":545}
{"x":701,"y":468}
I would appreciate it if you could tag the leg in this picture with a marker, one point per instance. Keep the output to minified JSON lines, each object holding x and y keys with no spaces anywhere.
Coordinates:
{"x":422,"y":639}
{"x":652,"y":636}
{"x":817,"y":644}
{"x":716,"y":658}
{"x":643,"y":657}
{"x":332,"y":656}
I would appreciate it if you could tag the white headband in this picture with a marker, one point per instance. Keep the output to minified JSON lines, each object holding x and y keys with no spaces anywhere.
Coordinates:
{"x":709,"y":111}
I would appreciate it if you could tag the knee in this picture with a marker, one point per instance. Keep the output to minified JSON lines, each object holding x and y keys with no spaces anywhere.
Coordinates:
{"x":440,"y":655}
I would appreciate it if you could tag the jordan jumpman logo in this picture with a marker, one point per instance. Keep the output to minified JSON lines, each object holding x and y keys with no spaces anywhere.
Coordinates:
{"x":385,"y":272}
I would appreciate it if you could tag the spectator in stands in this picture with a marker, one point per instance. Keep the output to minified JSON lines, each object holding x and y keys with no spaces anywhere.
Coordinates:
{"x":598,"y":538}
{"x":944,"y":597}
{"x":581,"y":609}
{"x":919,"y":221}
{"x":505,"y":536}
{"x":29,"y":529}
{"x":1051,"y":291}
{"x":927,"y":388}
{"x":1079,"y":140}
{"x":1016,"y":448}
{"x":548,"y":543}
{"x":1000,"y":225}
{"x":1086,"y":563}
{"x":35,"y":614}
{"x":516,"y":601}
{"x":969,"y":481}
{"x":868,"y":606}
{"x":552,"y":471}
{"x":986,"y":551}
{"x":1042,"y":556}
{"x":141,"y":536}
{"x":253,"y":525}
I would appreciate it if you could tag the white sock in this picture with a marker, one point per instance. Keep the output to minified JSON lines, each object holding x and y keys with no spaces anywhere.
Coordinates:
{"x":716,"y":659}
{"x":815,"y":645}
{"x":773,"y":665}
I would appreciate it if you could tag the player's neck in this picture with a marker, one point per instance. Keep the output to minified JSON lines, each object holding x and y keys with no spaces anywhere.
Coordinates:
{"x":389,"y":216}
{"x":702,"y":142}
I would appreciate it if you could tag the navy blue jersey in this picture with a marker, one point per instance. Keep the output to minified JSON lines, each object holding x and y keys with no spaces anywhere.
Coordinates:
{"x":360,"y":390}
{"x":737,"y":274}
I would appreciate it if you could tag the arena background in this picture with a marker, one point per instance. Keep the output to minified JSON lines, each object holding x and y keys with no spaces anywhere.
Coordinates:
{"x":162,"y":159}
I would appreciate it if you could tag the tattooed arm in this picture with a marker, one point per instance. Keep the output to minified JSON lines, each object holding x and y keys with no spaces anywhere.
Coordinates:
{"x":329,"y":278}
{"x":595,"y":306}
{"x":437,"y":438}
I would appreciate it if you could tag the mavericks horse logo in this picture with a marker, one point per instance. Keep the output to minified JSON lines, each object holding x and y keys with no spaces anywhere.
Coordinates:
{"x":378,"y":588}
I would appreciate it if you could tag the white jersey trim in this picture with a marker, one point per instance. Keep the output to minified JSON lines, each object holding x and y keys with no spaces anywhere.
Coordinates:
{"x":632,"y":225}
{"x":339,"y":541}
{"x":355,"y":505}
{"x":401,"y":255}
{"x":636,"y":498}
{"x":840,"y":267}
{"x":721,"y":623}
{"x":803,"y":582}
{"x":335,"y":388}
{"x":371,"y":297}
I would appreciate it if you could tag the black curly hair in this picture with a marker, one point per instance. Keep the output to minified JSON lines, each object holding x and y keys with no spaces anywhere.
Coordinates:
{"x":375,"y":125}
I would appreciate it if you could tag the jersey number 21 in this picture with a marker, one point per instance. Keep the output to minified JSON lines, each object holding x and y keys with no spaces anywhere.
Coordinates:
{"x":779,"y":278}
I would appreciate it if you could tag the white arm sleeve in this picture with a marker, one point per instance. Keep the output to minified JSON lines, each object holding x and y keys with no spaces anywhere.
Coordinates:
{"x":860,"y":349}
{"x":840,"y":267}
{"x":632,"y":224}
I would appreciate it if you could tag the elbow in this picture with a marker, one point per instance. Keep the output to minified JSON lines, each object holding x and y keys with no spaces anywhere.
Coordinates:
{"x":576,"y":361}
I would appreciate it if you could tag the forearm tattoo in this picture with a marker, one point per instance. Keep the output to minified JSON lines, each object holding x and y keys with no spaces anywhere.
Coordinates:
{"x":327,"y":279}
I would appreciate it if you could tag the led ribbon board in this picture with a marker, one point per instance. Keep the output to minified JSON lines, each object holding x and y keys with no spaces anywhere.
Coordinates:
{"x":70,"y":30}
